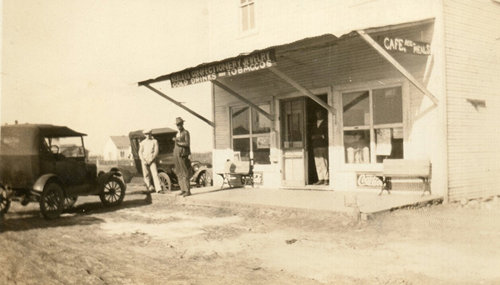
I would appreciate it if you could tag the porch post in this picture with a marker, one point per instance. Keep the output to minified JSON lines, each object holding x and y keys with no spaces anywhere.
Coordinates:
{"x":179,"y":104}
{"x":398,"y":66}
{"x":235,"y":94}
{"x":301,"y":89}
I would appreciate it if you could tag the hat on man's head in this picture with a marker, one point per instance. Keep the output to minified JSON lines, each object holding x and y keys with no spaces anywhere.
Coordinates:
{"x":178,"y":120}
{"x":148,"y":131}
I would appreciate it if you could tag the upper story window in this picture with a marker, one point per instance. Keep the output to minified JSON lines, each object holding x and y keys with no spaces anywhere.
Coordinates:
{"x":247,"y":8}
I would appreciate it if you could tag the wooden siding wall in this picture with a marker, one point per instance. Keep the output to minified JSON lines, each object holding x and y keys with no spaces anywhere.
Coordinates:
{"x":472,"y":42}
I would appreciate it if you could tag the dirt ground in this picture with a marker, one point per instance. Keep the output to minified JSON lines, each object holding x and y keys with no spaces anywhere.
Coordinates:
{"x":170,"y":242}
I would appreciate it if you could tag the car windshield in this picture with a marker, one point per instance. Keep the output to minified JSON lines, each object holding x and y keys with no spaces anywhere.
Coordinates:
{"x":65,"y":146}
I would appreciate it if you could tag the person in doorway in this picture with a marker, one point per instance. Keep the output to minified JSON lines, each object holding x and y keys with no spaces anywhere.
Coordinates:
{"x":182,"y":151}
{"x":148,"y":151}
{"x":319,"y":141}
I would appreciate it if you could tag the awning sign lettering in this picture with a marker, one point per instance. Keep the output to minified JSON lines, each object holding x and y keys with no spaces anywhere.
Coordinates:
{"x":232,"y":67}
{"x":406,"y":46}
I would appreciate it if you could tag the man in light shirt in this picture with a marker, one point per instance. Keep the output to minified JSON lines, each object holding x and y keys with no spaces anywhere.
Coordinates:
{"x":148,"y":151}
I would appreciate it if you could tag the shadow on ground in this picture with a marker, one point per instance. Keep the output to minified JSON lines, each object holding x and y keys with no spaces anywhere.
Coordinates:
{"x":79,"y":215}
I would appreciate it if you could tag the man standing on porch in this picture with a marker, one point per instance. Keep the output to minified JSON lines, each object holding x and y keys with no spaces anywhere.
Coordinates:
{"x":319,"y":142}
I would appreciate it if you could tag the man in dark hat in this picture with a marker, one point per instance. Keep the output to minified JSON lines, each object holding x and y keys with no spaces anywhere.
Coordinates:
{"x":148,"y":151}
{"x":319,"y":142}
{"x":182,"y":150}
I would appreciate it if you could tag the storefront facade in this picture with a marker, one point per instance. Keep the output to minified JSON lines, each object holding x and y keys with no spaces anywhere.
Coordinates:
{"x":383,"y":84}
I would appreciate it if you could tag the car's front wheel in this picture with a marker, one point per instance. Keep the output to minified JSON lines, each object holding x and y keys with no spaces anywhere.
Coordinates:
{"x":4,"y":201}
{"x":52,"y":201}
{"x":113,"y":192}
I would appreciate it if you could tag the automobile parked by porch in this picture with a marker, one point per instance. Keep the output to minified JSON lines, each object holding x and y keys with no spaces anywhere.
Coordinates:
{"x":48,"y":164}
{"x":202,"y":172}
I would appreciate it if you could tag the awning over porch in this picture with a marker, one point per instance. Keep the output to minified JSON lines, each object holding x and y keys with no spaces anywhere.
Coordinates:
{"x":313,"y":62}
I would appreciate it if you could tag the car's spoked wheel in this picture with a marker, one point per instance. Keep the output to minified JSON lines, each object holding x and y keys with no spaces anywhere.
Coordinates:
{"x":52,"y":201}
{"x":113,"y":192}
{"x":4,"y":201}
{"x":69,"y":202}
{"x":166,"y":183}
{"x":203,"y":179}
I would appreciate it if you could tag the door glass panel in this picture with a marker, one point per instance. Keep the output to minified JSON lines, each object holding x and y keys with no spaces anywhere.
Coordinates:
{"x":356,"y":108}
{"x":293,"y":124}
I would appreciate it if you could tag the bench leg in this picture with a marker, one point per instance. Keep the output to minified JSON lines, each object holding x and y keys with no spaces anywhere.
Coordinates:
{"x":386,"y":185}
{"x":427,"y":186}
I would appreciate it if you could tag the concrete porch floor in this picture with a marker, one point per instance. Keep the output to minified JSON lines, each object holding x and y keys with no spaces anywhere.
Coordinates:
{"x":368,"y":202}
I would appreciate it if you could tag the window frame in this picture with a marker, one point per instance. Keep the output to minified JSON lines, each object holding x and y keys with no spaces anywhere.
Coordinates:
{"x":372,"y":127}
{"x":250,"y":136}
{"x":241,"y":6}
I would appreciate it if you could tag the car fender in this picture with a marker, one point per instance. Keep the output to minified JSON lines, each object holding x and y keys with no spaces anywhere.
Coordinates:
{"x":42,"y":181}
{"x":103,"y":177}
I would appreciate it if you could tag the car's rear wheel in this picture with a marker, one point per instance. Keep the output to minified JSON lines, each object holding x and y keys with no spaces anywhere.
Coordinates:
{"x":113,"y":192}
{"x":166,"y":183}
{"x":52,"y":201}
{"x":4,"y":201}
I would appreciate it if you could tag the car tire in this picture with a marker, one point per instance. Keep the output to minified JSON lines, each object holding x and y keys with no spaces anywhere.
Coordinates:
{"x":52,"y":201}
{"x":203,"y":179}
{"x":69,"y":202}
{"x":113,"y":192}
{"x":4,"y":201}
{"x":166,"y":183}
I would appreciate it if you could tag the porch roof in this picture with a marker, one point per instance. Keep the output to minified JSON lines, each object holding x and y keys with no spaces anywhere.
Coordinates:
{"x":306,"y":44}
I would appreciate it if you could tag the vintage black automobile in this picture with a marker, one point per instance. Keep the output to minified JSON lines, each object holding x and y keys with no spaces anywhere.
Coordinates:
{"x":48,"y":164}
{"x":202,"y":173}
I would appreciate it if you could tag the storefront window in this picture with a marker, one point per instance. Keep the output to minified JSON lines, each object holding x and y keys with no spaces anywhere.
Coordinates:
{"x":251,"y":133}
{"x":373,"y":125}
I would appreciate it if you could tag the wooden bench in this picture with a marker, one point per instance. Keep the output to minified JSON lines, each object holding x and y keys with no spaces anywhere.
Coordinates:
{"x":403,"y":168}
{"x":241,"y":170}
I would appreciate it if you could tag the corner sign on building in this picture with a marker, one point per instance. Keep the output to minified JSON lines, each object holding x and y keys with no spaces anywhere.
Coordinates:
{"x":226,"y":68}
{"x":405,"y":46}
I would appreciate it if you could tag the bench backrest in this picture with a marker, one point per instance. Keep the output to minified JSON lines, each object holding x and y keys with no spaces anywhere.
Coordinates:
{"x":406,"y":168}
{"x":237,"y":167}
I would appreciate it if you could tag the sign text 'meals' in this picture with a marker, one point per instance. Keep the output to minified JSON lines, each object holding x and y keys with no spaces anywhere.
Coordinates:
{"x":406,"y":46}
{"x":240,"y":65}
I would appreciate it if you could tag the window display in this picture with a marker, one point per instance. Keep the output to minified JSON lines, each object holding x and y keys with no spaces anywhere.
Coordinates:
{"x":251,"y":133}
{"x":373,"y":125}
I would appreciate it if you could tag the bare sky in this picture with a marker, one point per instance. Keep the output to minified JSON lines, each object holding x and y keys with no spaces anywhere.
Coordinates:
{"x":77,"y":63}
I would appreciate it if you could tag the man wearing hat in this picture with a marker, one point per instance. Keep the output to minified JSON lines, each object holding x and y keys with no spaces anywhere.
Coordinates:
{"x":182,"y":151}
{"x":148,"y":151}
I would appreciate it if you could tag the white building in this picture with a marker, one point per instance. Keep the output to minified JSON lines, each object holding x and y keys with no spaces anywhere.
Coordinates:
{"x":117,"y":148}
{"x":400,"y":79}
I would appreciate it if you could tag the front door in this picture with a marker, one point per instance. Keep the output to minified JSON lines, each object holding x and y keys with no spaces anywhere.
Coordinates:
{"x":293,"y":142}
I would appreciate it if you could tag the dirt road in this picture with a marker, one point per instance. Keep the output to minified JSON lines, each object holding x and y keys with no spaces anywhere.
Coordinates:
{"x":169,"y":242}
